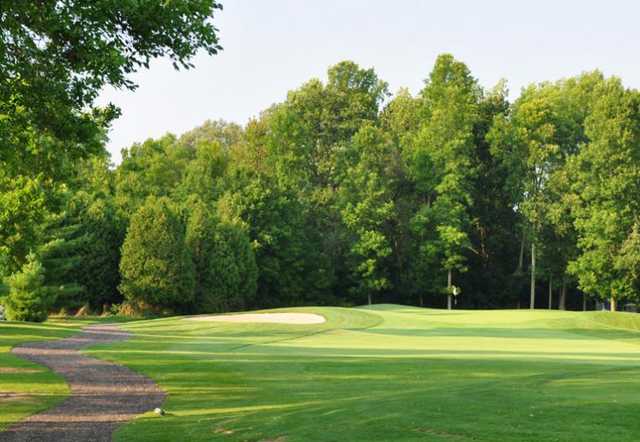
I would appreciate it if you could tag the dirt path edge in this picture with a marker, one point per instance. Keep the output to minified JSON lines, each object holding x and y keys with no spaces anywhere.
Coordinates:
{"x":104,"y":395}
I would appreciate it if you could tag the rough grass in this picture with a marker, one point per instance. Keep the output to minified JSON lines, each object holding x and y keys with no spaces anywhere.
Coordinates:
{"x":392,"y":373}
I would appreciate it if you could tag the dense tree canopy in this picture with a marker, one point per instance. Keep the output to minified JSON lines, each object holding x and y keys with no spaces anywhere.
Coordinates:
{"x":344,"y":194}
{"x":606,"y":185}
{"x":56,"y":56}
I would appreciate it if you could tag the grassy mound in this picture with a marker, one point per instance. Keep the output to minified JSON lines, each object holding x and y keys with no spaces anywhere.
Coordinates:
{"x":620,"y":320}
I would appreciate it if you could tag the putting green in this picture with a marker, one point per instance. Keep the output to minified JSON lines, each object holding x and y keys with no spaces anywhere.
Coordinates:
{"x":391,"y":373}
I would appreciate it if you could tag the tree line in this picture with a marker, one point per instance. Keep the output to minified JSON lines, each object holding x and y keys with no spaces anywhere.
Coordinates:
{"x":345,"y":194}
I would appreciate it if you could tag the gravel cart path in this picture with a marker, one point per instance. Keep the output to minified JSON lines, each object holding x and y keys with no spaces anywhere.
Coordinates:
{"x":104,"y":395}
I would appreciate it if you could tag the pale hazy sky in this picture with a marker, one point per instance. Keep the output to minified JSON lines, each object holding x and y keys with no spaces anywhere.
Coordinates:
{"x":274,"y":46}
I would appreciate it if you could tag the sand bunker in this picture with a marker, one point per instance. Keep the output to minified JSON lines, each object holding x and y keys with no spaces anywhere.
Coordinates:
{"x":271,"y":318}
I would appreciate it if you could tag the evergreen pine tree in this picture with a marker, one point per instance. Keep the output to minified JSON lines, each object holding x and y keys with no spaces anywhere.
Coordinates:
{"x":28,"y":299}
{"x":4,"y":268}
{"x":156,"y":266}
{"x":99,"y":273}
{"x":61,"y":256}
{"x":225,"y":265}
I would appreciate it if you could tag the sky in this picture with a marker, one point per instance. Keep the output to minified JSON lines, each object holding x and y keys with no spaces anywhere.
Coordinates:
{"x":271,"y":47}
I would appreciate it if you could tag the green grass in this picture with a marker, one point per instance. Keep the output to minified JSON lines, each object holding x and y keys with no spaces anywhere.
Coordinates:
{"x":36,"y":387}
{"x":27,"y":388}
{"x":381,"y":373}
{"x":392,"y":373}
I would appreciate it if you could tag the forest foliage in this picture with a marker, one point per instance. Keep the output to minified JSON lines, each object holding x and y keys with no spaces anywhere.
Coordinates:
{"x":345,"y":194}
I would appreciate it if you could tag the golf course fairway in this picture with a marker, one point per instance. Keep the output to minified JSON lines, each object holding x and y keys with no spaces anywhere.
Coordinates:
{"x":391,"y":373}
{"x":382,"y":373}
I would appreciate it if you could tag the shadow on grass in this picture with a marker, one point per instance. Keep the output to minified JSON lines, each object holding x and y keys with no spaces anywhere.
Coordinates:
{"x":256,"y":396}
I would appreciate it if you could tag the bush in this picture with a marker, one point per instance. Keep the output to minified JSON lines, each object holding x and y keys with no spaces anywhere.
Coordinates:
{"x":156,"y":267}
{"x":28,"y":299}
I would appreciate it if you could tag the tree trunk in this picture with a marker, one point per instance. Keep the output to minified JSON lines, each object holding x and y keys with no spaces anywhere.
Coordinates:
{"x":584,"y":302}
{"x":421,"y":301}
{"x":550,"y":292}
{"x":449,"y":290}
{"x":562,"y":305}
{"x":521,"y":256}
{"x":613,"y":304}
{"x":369,"y":298}
{"x":532,"y":300}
